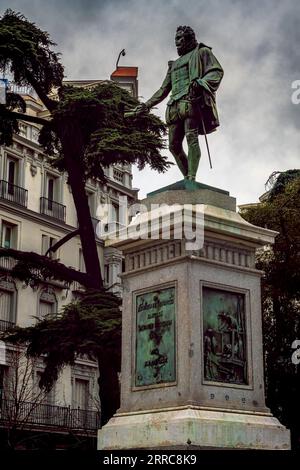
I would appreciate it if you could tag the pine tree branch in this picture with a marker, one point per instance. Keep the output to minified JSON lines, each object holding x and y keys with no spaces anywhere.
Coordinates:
{"x":51,"y":269}
{"x":50,"y":104}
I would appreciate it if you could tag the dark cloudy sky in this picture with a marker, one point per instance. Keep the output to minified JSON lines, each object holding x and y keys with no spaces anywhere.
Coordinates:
{"x":256,"y":41}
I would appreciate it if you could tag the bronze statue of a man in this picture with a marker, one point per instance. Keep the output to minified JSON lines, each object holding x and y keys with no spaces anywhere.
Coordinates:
{"x":193,"y":80}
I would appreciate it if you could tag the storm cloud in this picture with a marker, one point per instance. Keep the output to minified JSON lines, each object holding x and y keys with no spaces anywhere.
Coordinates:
{"x":257,"y":42}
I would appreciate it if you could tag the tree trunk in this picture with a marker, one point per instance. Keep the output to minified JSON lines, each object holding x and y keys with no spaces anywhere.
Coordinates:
{"x":86,"y":229}
{"x":109,"y":388}
{"x":71,"y":138}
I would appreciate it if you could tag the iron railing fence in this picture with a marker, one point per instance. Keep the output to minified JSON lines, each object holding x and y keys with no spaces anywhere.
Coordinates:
{"x":52,"y":209}
{"x":13,"y":193}
{"x":5,"y":325}
{"x":41,"y":414}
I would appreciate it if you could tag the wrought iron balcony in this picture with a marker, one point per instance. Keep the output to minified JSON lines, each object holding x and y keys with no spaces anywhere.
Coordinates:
{"x":5,"y":325}
{"x":48,"y":416}
{"x":13,"y":193}
{"x":53,"y":209}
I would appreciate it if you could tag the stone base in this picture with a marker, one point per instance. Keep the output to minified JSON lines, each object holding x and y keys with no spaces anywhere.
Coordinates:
{"x":193,"y":428}
{"x":191,"y":192}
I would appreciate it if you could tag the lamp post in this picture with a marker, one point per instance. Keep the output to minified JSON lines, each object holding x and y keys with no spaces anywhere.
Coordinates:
{"x":123,"y":53}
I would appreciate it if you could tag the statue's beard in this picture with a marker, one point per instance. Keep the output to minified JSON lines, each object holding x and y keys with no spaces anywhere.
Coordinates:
{"x":186,"y":47}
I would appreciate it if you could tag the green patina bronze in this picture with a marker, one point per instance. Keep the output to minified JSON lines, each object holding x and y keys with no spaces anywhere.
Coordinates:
{"x":224,"y":336}
{"x":155,"y":337}
{"x":193,"y":80}
{"x":187,"y":185}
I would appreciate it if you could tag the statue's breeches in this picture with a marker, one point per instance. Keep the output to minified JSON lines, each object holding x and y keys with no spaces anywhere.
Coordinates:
{"x":181,"y":110}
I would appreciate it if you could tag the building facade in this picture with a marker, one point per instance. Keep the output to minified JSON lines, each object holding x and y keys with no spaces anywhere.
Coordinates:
{"x":37,"y":210}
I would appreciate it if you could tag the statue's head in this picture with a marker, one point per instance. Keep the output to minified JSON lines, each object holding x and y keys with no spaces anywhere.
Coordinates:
{"x":185,"y":39}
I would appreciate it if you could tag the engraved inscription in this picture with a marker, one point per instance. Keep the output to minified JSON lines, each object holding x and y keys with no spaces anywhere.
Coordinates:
{"x":155,"y":337}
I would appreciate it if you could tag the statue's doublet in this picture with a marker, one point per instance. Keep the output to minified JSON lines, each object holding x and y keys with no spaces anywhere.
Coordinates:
{"x":180,"y":77}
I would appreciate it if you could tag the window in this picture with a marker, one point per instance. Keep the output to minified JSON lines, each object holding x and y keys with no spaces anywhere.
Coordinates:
{"x":51,"y":189}
{"x":50,"y":201}
{"x":50,"y":193}
{"x":8,"y":240}
{"x":8,"y":235}
{"x":45,"y":308}
{"x":81,"y":394}
{"x":81,"y":400}
{"x":8,"y":294}
{"x":6,"y":305}
{"x":106,"y":274}
{"x":3,"y":374}
{"x":91,"y":202}
{"x":47,"y":242}
{"x":11,"y":174}
{"x":11,"y":184}
{"x":49,"y":398}
{"x":114,"y":213}
{"x":2,"y":355}
{"x":81,"y":263}
{"x":47,"y":303}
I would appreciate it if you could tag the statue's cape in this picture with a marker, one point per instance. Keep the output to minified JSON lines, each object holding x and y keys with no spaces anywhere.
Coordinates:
{"x":207,"y":71}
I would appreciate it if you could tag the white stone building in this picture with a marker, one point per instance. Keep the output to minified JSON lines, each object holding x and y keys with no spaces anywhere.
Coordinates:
{"x":36,"y":210}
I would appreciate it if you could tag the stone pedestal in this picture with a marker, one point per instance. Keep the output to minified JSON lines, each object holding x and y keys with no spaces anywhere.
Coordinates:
{"x":192,"y":359}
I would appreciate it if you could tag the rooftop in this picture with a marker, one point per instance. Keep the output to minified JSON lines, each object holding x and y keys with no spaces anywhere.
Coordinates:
{"x":125,"y":72}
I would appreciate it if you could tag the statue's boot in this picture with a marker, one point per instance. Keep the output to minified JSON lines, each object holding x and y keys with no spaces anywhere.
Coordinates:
{"x":194,"y":153}
{"x":180,"y":157}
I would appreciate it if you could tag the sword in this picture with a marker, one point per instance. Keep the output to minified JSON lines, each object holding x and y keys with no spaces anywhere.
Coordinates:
{"x":206,"y":141}
{"x":200,"y":98}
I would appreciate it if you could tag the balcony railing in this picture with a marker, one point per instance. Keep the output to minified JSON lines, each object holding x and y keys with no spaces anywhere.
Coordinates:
{"x":52,"y":209}
{"x":7,"y":263}
{"x":5,"y":325}
{"x":13,"y":193}
{"x":77,"y":287}
{"x":50,"y":416}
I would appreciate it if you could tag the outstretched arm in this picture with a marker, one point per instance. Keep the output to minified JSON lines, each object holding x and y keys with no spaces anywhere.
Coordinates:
{"x":163,"y":91}
{"x":158,"y":96}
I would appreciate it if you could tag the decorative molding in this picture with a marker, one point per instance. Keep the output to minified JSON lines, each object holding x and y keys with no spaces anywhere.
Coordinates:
{"x":158,"y":254}
{"x":227,"y":254}
{"x":47,"y":294}
{"x":33,"y":169}
{"x":212,"y":250}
